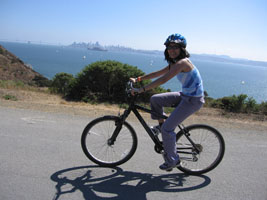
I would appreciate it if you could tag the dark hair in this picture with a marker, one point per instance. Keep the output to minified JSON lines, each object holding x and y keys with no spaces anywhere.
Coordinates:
{"x":183,"y":54}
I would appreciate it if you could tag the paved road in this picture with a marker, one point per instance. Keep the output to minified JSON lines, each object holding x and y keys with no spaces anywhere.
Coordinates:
{"x":41,"y":158}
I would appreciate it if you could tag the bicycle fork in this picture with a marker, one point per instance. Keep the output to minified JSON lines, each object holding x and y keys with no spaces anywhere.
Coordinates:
{"x":115,"y":133}
{"x":118,"y":124}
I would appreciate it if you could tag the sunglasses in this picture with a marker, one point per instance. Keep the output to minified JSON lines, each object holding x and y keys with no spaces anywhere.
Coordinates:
{"x":173,"y":47}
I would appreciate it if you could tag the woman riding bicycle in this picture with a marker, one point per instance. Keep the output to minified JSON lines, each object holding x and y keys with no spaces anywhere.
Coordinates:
{"x":188,"y":101}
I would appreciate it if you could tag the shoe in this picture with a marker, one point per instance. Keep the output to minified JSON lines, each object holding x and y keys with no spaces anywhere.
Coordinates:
{"x":167,"y":167}
{"x":156,"y":129}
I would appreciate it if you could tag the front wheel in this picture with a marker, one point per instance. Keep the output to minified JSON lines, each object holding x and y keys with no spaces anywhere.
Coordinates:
{"x":203,"y":153}
{"x":96,"y":143}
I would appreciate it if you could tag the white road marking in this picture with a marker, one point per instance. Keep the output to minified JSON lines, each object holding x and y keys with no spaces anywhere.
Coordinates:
{"x":33,"y":120}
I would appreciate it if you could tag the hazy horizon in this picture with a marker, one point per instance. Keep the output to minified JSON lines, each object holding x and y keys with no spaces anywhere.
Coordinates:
{"x":201,"y":54}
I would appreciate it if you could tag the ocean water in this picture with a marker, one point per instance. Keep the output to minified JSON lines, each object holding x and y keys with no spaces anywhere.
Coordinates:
{"x":220,"y":78}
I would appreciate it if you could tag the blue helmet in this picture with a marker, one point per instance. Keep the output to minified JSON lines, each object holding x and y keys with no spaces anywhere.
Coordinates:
{"x":176,"y":38}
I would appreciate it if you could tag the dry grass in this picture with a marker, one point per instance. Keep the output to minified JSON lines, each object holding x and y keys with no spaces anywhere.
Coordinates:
{"x":42,"y":100}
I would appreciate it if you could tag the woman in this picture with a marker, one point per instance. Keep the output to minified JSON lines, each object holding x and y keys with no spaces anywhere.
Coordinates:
{"x":188,"y":101}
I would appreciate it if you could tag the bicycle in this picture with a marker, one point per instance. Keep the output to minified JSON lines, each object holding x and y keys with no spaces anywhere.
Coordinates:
{"x":110,"y":141}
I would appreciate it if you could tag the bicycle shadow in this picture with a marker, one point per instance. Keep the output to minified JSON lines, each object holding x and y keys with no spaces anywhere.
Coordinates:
{"x":113,"y":183}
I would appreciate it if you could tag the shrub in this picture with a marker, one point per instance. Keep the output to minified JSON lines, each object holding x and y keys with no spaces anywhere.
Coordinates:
{"x":41,"y":81}
{"x":105,"y":81}
{"x":263,"y":107}
{"x":102,"y":81}
{"x":10,"y":97}
{"x":251,"y":106}
{"x":238,"y":104}
{"x":232,"y":103}
{"x":61,"y":83}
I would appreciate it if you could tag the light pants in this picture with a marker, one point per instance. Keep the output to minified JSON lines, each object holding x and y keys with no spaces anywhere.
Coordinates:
{"x":186,"y":107}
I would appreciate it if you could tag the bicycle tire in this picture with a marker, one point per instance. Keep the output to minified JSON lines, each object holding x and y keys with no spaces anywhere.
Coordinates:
{"x":211,"y":145}
{"x":94,"y":142}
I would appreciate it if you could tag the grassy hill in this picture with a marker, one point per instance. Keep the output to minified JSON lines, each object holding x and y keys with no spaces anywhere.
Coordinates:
{"x":12,"y":68}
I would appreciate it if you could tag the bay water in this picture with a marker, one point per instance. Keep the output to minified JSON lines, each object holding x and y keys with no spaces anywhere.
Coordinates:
{"x":220,"y":78}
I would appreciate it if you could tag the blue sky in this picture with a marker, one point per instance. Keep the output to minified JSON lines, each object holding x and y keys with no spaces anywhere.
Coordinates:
{"x":237,"y":28}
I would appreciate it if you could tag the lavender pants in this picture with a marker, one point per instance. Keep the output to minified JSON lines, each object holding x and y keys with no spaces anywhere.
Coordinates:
{"x":186,"y":106}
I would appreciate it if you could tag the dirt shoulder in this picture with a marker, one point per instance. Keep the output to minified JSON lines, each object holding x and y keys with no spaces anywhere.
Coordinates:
{"x":43,"y":101}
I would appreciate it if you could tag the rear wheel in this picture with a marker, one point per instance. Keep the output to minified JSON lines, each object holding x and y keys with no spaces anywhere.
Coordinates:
{"x":96,"y":143}
{"x":210,"y":149}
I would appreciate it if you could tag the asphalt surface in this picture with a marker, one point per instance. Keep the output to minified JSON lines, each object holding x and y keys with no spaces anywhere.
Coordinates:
{"x":41,"y":158}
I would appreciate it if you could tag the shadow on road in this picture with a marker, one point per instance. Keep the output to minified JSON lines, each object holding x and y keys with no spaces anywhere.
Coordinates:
{"x":113,"y":183}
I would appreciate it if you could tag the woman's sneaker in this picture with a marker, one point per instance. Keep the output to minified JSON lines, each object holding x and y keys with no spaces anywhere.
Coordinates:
{"x":156,"y":129}
{"x":168,"y":167}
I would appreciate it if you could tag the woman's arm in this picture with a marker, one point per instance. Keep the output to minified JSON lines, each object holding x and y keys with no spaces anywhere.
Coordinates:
{"x":154,"y":74}
{"x":169,"y":74}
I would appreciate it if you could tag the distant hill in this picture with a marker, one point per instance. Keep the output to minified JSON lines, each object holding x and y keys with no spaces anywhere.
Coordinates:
{"x":12,"y":68}
{"x":203,"y":57}
{"x":228,"y":59}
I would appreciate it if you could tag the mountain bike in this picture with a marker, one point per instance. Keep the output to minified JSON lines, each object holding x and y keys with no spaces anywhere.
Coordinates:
{"x":110,"y":141}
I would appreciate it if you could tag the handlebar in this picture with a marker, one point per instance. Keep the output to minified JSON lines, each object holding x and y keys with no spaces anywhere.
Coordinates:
{"x":129,"y":88}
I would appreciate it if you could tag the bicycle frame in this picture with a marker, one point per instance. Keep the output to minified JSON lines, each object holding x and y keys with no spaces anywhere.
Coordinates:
{"x":158,"y":145}
{"x":134,"y":108}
